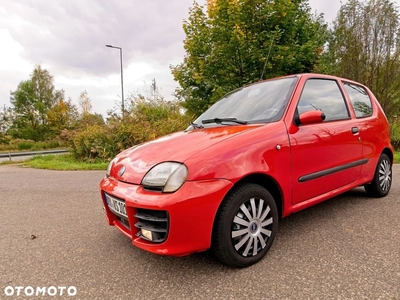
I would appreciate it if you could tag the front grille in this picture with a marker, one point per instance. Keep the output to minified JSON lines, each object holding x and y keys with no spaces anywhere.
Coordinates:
{"x":155,"y":221}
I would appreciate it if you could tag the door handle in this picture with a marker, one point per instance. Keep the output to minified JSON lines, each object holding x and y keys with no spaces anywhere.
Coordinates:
{"x":355,"y":130}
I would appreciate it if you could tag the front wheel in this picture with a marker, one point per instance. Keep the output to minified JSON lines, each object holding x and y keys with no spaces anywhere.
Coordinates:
{"x":245,"y":226}
{"x":382,"y":181}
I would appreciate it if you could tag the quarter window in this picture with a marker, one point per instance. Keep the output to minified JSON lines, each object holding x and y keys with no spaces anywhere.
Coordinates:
{"x":359,"y":99}
{"x":324,"y":95}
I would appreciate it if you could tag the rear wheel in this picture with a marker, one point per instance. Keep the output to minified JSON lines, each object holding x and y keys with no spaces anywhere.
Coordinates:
{"x":245,"y":226}
{"x":380,"y":185}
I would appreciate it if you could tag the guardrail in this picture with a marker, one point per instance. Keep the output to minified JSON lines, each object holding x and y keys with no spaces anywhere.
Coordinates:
{"x":10,"y":155}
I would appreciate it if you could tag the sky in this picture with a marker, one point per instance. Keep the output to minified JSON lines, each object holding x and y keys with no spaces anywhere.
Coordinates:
{"x":68,"y":39}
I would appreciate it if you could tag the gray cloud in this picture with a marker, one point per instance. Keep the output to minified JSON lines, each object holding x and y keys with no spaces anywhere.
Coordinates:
{"x":73,"y":34}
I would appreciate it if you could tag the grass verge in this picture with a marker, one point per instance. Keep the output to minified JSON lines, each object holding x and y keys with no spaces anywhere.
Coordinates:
{"x":65,"y":162}
{"x":7,"y":162}
{"x":397,"y":157}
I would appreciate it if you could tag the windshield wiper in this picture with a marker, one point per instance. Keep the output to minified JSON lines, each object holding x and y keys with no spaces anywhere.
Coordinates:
{"x":195,"y":125}
{"x":220,"y":120}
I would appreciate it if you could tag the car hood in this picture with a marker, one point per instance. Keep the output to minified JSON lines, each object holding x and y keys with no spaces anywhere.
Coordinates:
{"x":132,"y":164}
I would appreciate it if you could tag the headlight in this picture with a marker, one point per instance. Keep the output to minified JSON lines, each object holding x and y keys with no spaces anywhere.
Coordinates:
{"x":109,"y":168}
{"x":167,"y":176}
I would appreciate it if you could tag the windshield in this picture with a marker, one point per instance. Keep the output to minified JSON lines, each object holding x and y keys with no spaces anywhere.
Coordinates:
{"x":261,"y":102}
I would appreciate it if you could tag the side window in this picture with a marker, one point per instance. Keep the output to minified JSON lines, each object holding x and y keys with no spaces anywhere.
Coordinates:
{"x":324,"y":95}
{"x":359,"y":99}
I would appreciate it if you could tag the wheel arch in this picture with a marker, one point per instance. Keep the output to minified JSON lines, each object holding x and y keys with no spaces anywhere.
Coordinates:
{"x":269,"y":184}
{"x":389,"y":153}
{"x":266,"y":182}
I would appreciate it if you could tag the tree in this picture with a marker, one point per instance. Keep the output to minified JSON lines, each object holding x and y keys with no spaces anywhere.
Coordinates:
{"x":86,"y":116}
{"x":46,"y":94}
{"x":62,"y":115}
{"x":85,"y":103}
{"x":6,"y":121}
{"x":228,"y":45}
{"x":365,"y":47}
{"x":31,"y":102}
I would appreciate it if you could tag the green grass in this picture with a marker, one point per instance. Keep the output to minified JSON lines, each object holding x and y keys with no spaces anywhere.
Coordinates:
{"x":7,"y":162}
{"x":397,"y":157}
{"x":65,"y":162}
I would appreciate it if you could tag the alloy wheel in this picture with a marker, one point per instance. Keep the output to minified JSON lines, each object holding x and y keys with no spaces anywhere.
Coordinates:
{"x":251,"y":227}
{"x":385,"y":175}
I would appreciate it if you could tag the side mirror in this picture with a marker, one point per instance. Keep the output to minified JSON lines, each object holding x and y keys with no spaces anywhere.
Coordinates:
{"x":310,"y":117}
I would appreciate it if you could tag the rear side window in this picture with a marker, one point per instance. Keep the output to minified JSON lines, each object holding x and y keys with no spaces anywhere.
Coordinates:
{"x":359,"y":99}
{"x":324,"y":95}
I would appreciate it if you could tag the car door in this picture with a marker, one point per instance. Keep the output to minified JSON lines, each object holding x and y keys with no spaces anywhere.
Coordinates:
{"x":327,"y":155}
{"x":371,"y":122}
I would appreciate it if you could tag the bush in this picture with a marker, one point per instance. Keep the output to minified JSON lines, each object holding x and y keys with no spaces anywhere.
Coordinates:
{"x":4,"y":139}
{"x":395,"y":133}
{"x":91,"y":143}
{"x":143,"y":121}
{"x":27,"y":145}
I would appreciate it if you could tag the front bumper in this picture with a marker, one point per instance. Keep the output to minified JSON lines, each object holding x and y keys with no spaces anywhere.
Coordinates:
{"x":191,"y":212}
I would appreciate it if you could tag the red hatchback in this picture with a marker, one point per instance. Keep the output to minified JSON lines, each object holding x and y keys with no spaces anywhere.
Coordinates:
{"x":260,"y":153}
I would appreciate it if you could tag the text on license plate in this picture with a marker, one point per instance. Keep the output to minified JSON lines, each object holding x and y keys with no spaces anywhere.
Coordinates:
{"x":116,"y":205}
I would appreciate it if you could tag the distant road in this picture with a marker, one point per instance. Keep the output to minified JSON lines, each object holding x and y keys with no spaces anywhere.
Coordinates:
{"x":24,"y":155}
{"x":53,"y":233}
{"x":19,"y":158}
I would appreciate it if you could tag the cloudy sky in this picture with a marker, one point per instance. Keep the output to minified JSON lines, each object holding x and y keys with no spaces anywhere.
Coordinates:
{"x":68,"y":38}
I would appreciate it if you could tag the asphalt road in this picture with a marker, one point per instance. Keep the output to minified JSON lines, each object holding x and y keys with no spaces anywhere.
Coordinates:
{"x":53,"y":233}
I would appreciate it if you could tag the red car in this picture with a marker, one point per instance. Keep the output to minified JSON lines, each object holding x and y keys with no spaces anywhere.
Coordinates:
{"x":260,"y":153}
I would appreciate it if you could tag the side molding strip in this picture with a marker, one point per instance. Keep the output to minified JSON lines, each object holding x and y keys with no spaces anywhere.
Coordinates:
{"x":332,"y":170}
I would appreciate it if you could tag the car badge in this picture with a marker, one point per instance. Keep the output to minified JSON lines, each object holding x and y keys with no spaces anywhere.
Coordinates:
{"x":253,"y":227}
{"x":121,"y":171}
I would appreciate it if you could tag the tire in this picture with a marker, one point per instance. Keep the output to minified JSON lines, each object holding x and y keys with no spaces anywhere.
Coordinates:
{"x":382,"y":181}
{"x":245,"y":226}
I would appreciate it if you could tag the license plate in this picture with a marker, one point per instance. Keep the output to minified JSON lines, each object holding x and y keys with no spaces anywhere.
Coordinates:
{"x":117,"y":206}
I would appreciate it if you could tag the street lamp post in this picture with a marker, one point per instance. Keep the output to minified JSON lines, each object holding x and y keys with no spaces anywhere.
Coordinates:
{"x":122,"y":78}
